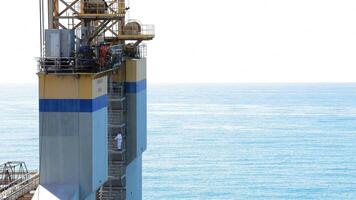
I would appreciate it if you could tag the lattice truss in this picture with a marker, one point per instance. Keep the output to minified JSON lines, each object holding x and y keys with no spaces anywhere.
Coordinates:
{"x":104,"y":17}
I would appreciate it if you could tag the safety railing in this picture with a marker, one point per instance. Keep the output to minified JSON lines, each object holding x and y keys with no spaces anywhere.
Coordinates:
{"x":138,"y":29}
{"x":15,"y":182}
{"x":103,"y":7}
{"x":11,"y":173}
{"x":26,"y":185}
{"x":116,"y":94}
{"x":116,"y":171}
{"x":67,"y":64}
{"x":116,"y":118}
{"x":109,"y":193}
{"x":142,"y":51}
{"x":147,"y":29}
{"x":55,"y":63}
{"x":139,"y":51}
{"x":116,"y":89}
{"x":72,"y":64}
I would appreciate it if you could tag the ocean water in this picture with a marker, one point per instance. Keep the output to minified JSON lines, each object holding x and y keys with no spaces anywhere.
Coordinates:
{"x":227,"y":141}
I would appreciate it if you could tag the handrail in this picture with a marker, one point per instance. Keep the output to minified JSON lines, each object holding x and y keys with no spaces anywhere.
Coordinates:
{"x":99,"y":7}
{"x":85,"y":60}
{"x":144,"y":29}
{"x":22,"y":188}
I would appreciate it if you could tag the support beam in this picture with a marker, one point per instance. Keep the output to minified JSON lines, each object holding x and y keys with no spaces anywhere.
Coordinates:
{"x":113,"y":32}
{"x":61,"y":25}
{"x":137,"y":43}
{"x":98,"y":30}
{"x":70,"y":6}
{"x":55,"y":8}
{"x":109,"y":28}
{"x":50,"y":13}
{"x":77,"y":25}
{"x":110,"y":7}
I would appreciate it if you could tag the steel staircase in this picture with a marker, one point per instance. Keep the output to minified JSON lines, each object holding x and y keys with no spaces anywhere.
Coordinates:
{"x":115,"y":187}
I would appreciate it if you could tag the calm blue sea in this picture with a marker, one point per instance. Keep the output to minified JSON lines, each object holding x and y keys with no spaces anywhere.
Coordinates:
{"x":232,"y":141}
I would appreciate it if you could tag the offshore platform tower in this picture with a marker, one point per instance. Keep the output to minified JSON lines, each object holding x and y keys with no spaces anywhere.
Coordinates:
{"x":92,"y":100}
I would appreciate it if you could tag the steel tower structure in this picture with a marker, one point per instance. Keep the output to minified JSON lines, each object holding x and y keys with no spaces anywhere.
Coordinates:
{"x":92,"y":100}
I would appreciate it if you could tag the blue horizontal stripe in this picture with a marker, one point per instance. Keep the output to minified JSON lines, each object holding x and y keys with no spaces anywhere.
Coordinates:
{"x":135,"y":87}
{"x":73,"y":105}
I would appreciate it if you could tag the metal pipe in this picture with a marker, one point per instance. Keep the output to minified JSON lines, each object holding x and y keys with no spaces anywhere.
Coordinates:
{"x":40,"y":11}
{"x":43,"y":26}
{"x":50,"y":13}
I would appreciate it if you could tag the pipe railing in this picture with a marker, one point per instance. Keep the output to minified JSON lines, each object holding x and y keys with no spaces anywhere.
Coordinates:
{"x":21,"y":188}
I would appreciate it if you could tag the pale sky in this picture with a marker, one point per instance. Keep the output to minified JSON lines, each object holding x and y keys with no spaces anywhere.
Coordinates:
{"x":215,"y":41}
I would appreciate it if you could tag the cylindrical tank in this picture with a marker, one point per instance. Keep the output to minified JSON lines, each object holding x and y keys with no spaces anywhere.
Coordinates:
{"x":132,"y":28}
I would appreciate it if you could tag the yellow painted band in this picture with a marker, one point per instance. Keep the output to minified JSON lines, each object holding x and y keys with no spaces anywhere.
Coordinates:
{"x":135,"y":70}
{"x":53,"y":86}
{"x":100,"y":87}
{"x":119,"y":75}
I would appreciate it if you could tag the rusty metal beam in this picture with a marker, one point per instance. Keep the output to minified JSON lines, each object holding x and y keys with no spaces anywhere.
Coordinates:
{"x":77,"y":25}
{"x":61,"y":25}
{"x":137,"y":43}
{"x":113,"y":32}
{"x":108,"y":28}
{"x":55,"y":8}
{"x":110,"y":8}
{"x":92,"y":16}
{"x":50,"y":13}
{"x":99,"y":29}
{"x":68,"y":6}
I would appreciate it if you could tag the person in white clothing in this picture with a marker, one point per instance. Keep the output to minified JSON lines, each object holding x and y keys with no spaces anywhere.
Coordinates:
{"x":118,"y":138}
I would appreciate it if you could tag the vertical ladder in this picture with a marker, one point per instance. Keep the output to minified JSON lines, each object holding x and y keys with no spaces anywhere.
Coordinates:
{"x":115,"y":187}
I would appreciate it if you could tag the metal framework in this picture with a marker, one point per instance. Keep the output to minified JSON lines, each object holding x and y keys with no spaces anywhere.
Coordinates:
{"x":105,"y":17}
{"x":94,"y":22}
{"x":16,"y":180}
{"x":11,"y":173}
{"x":72,"y":14}
{"x":22,"y":189}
